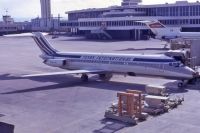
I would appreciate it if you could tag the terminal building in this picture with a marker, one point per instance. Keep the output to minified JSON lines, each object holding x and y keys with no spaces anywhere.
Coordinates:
{"x":120,"y":22}
{"x":9,"y":26}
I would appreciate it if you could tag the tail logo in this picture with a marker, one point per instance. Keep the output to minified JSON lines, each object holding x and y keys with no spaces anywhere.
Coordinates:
{"x":156,"y":25}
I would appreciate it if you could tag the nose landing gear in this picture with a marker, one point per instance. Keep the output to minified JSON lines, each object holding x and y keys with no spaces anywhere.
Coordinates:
{"x":184,"y":83}
{"x":180,"y":85}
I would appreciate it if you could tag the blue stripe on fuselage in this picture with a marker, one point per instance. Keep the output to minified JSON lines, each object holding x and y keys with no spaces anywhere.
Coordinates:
{"x":153,"y":60}
{"x":134,"y":59}
{"x":68,"y":56}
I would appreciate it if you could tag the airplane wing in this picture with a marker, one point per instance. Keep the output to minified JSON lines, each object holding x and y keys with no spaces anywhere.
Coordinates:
{"x":24,"y":35}
{"x":63,"y":73}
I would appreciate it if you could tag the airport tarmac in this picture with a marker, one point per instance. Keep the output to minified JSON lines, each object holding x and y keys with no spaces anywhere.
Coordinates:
{"x":64,"y":104}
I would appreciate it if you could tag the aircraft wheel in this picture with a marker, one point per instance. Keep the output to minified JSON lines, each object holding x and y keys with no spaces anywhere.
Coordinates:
{"x":84,"y":77}
{"x":105,"y":77}
{"x":180,"y":84}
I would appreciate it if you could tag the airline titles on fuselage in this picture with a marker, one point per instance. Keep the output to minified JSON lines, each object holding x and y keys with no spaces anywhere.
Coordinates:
{"x":136,"y":61}
{"x":132,"y":61}
{"x":108,"y":58}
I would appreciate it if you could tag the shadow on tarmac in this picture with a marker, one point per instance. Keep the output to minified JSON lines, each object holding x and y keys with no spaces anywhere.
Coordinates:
{"x":111,"y":126}
{"x":1,"y":115}
{"x":64,"y":81}
{"x":6,"y":128}
{"x":84,"y":39}
{"x":91,"y":40}
{"x":172,"y":87}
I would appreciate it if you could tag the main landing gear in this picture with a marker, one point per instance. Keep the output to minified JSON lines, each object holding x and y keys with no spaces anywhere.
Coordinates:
{"x":183,"y":83}
{"x":84,"y":77}
{"x":105,"y":77}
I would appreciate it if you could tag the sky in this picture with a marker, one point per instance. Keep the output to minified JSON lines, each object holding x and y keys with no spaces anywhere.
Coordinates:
{"x":31,"y":8}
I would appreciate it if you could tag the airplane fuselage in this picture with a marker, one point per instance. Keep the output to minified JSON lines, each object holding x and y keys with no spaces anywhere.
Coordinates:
{"x":152,"y":65}
{"x":173,"y":33}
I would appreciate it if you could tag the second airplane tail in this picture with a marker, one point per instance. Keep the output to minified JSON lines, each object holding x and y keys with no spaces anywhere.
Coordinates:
{"x":155,"y":26}
{"x":160,"y":30}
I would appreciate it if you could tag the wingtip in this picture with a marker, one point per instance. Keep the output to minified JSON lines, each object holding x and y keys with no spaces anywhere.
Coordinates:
{"x":26,"y":76}
{"x":23,"y":76}
{"x":29,"y":34}
{"x":20,"y":35}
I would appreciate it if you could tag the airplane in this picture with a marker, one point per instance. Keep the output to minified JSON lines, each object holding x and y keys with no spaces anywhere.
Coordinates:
{"x":107,"y":64}
{"x":168,"y":33}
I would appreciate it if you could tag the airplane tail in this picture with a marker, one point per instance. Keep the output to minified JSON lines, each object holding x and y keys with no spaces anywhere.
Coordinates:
{"x":40,"y":40}
{"x":155,"y":26}
{"x":161,"y":31}
{"x":43,"y":44}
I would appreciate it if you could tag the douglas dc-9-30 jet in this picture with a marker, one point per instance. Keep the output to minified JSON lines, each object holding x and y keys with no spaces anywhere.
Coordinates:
{"x":107,"y":64}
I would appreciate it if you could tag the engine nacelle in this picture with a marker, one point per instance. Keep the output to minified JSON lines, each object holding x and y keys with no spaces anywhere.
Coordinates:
{"x":55,"y":62}
{"x":131,"y":74}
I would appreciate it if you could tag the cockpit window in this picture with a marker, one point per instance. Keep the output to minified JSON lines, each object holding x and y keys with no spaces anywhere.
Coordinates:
{"x":176,"y":64}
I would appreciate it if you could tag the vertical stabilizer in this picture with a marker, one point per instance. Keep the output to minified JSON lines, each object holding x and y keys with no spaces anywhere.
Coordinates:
{"x":43,"y":44}
{"x":160,"y":30}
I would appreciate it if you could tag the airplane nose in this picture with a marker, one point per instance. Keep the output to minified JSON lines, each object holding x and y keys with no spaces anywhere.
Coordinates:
{"x":44,"y":61}
{"x":196,"y":75}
